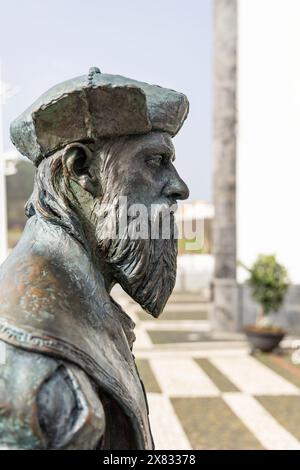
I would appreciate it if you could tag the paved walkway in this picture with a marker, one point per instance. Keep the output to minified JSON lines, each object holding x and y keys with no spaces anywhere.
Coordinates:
{"x":207,"y":392}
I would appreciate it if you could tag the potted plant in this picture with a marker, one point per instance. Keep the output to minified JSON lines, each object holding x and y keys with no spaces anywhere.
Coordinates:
{"x":269,"y":283}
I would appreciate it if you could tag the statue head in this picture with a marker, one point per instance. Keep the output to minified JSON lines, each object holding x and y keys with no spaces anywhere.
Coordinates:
{"x":103,"y":149}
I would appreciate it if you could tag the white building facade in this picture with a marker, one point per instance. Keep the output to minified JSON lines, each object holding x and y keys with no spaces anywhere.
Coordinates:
{"x":268,"y":138}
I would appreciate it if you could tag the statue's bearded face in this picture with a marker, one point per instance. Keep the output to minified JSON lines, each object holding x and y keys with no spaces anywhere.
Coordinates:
{"x":119,"y":198}
{"x":139,"y":170}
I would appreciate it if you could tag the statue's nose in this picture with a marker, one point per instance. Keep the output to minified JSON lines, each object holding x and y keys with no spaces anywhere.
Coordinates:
{"x":176,"y":187}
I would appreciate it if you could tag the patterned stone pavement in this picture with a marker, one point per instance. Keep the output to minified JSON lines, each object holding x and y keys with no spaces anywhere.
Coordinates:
{"x":206,"y":391}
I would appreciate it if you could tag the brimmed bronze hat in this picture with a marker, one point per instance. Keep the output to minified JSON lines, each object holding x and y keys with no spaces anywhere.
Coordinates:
{"x":94,"y":106}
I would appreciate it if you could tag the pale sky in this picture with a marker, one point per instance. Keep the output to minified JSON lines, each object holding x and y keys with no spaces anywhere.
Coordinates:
{"x":166,"y":42}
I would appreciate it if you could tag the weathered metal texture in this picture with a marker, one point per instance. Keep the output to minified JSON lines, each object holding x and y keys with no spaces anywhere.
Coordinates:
{"x":53,"y":303}
{"x":56,"y":312}
{"x":47,"y":404}
{"x":93,"y":106}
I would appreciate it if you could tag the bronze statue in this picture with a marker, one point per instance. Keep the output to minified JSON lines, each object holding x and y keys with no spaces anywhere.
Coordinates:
{"x":70,"y":379}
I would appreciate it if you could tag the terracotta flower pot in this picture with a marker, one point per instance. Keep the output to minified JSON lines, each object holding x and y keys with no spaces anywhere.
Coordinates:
{"x":263,"y":338}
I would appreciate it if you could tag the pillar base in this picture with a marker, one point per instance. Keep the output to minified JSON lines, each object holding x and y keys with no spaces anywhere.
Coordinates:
{"x":225,"y":311}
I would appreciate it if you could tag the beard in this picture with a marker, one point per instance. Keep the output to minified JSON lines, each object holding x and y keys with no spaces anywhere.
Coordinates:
{"x":144,"y":267}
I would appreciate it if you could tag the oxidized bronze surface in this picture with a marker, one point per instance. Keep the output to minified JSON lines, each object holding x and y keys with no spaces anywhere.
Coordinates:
{"x":70,"y":380}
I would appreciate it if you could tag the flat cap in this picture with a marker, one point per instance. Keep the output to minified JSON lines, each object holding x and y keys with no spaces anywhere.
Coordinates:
{"x":94,"y":106}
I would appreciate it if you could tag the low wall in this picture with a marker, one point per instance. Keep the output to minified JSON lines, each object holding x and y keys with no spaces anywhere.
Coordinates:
{"x":194,"y":273}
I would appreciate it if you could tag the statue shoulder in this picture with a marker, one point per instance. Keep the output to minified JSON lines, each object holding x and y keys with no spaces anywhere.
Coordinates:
{"x":47,"y":404}
{"x":32,"y":283}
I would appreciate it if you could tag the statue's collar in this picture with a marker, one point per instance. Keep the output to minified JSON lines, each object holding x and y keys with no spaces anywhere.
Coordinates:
{"x":128,"y":324}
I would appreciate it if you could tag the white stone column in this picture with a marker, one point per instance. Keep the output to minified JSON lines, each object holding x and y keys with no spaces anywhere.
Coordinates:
{"x":225,"y":311}
{"x":3,"y":206}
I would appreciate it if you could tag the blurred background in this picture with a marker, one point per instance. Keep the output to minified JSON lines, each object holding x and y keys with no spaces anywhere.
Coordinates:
{"x":213,"y":381}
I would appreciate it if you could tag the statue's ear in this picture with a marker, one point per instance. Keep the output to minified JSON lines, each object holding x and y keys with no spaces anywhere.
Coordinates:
{"x":77,"y":165}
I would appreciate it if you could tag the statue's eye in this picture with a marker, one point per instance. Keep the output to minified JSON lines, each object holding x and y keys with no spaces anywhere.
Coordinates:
{"x":155,"y":161}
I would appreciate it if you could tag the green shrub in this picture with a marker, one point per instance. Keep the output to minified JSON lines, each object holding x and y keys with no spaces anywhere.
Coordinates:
{"x":268,"y":282}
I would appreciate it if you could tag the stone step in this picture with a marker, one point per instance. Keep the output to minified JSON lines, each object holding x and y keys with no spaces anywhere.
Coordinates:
{"x":203,"y":349}
{"x":171,"y":316}
{"x":187,"y":307}
{"x":190,"y":297}
{"x":181,"y":325}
